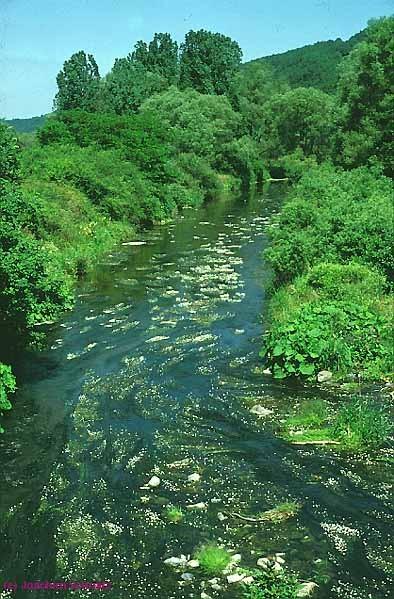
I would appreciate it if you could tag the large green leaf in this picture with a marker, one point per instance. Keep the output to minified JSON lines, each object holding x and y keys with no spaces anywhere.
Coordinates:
{"x":307,"y":369}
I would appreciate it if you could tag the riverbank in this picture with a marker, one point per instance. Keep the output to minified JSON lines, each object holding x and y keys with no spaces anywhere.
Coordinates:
{"x":331,"y":307}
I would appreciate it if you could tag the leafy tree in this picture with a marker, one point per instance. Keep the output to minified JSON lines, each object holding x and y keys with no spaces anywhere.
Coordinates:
{"x":9,"y":154}
{"x":140,"y":54}
{"x":163,"y":57}
{"x":301,"y":118}
{"x":7,"y":386}
{"x":366,"y":93}
{"x":199,"y":123}
{"x":78,"y":83}
{"x":160,"y":56}
{"x":251,"y":88}
{"x":208,"y":62}
{"x":129,"y":84}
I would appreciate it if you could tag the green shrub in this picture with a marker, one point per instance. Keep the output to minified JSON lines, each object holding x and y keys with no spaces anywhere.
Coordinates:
{"x":334,"y":216}
{"x":345,"y":281}
{"x":199,"y":169}
{"x":361,"y":424}
{"x":213,"y":559}
{"x":31,"y":290}
{"x":9,"y":154}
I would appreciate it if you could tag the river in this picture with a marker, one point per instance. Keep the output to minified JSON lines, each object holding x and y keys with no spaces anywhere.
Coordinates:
{"x":153,"y":374}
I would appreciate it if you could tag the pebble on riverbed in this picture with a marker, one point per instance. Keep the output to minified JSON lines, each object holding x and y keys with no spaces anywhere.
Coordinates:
{"x":152,"y":483}
{"x":260,"y":411}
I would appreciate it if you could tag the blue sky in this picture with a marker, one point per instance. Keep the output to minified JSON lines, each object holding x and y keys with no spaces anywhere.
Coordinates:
{"x":37,"y":36}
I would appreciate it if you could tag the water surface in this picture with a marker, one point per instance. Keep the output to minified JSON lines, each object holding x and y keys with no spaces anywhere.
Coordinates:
{"x":148,"y":377}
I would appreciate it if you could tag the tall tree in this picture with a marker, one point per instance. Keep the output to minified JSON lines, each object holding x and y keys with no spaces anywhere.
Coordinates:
{"x":208,"y":62}
{"x":128,"y":85}
{"x":250,"y":89}
{"x":366,"y":92}
{"x":160,"y":56}
{"x":78,"y":83}
{"x":163,"y":57}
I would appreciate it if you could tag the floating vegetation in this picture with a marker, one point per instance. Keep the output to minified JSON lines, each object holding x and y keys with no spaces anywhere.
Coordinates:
{"x":280,"y":513}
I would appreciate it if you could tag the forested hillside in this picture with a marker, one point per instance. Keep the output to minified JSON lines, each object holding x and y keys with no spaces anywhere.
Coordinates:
{"x":27,"y":125}
{"x":315,"y":65}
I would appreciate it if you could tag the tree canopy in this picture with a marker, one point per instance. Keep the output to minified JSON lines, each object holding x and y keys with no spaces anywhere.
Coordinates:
{"x":78,"y":83}
{"x":366,"y":94}
{"x":208,"y":62}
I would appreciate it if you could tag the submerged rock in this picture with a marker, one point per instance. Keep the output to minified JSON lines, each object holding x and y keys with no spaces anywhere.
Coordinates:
{"x":175,"y":561}
{"x":152,"y":483}
{"x":194,"y":478}
{"x":134,"y":243}
{"x":197,"y":506}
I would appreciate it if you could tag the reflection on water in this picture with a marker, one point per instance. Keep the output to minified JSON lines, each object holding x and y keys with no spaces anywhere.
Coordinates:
{"x":147,"y":377}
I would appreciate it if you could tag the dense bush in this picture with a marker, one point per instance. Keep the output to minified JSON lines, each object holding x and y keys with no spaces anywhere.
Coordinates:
{"x":140,"y":139}
{"x":271,"y":584}
{"x":31,"y":291}
{"x":116,"y":186}
{"x":334,"y":216}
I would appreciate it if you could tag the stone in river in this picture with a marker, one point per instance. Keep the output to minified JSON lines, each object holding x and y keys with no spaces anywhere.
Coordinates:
{"x":260,"y":411}
{"x":324,"y":376}
{"x":232,"y":578}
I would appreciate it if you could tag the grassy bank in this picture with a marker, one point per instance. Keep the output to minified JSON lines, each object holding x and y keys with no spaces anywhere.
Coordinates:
{"x":333,"y":266}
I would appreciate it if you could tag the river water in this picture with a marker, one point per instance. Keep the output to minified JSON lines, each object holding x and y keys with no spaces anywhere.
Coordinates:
{"x":153,"y":374}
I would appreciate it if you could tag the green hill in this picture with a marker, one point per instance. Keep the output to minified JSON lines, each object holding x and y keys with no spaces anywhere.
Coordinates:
{"x":315,"y":65}
{"x":27,"y":125}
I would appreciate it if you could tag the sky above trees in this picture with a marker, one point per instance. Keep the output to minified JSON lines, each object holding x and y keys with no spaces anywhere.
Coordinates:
{"x":37,"y":37}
